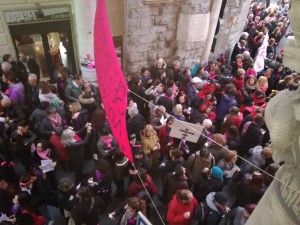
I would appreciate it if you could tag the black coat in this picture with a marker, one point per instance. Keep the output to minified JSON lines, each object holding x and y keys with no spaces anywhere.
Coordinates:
{"x":166,"y":102}
{"x":252,"y":137}
{"x":46,"y":128}
{"x":135,"y":125}
{"x":32,"y":65}
{"x":82,"y":213}
{"x":31,"y":96}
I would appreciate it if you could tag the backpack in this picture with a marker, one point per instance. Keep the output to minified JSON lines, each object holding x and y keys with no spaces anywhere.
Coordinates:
{"x":200,"y":213}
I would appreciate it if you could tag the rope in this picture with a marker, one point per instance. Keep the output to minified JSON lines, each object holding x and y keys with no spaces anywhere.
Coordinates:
{"x":149,"y":197}
{"x":261,"y":170}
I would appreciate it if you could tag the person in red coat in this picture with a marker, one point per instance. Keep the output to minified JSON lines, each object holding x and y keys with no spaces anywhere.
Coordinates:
{"x":238,"y":80}
{"x":181,"y":208}
{"x":165,"y":140}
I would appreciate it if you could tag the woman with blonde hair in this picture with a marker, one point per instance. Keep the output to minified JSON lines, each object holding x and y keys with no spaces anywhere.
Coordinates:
{"x":262,"y":84}
{"x":150,"y":143}
{"x":227,"y":163}
{"x":79,"y":116}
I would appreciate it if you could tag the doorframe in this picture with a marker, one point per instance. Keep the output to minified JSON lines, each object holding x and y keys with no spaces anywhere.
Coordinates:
{"x":43,"y":28}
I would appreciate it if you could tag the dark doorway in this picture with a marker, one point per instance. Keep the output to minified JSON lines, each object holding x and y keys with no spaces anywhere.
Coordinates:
{"x":49,"y":43}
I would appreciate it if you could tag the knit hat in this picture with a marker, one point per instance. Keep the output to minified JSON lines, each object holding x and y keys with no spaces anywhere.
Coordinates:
{"x":216,"y":172}
{"x":136,"y":150}
{"x":132,"y":137}
{"x":221,"y":198}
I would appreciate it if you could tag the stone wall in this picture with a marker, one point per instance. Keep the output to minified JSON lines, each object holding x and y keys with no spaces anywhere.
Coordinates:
{"x":231,"y":27}
{"x":189,"y":52}
{"x":150,"y":33}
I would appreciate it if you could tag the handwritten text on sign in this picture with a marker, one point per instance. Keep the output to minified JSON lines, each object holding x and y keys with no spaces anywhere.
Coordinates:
{"x":111,"y":82}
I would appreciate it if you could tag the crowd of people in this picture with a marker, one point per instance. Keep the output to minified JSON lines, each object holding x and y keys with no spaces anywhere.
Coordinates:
{"x":44,"y":127}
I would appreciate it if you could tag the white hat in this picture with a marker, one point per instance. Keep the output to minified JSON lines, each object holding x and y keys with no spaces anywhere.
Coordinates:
{"x":196,"y":80}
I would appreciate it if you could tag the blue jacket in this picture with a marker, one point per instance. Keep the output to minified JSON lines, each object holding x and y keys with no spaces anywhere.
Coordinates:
{"x":226,"y":103}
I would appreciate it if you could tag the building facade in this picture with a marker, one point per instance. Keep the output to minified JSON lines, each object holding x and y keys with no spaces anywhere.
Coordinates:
{"x":61,"y":31}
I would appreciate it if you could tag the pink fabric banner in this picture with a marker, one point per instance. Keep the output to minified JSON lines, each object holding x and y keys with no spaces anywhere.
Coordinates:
{"x":111,"y":82}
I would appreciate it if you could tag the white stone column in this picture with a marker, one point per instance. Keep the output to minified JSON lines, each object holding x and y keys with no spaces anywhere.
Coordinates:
{"x":84,"y":17}
{"x":214,"y":17}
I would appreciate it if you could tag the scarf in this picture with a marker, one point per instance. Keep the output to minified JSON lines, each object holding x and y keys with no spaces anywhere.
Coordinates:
{"x":128,"y":218}
{"x":55,"y":122}
{"x":107,"y":141}
{"x":44,"y":154}
{"x":98,"y":175}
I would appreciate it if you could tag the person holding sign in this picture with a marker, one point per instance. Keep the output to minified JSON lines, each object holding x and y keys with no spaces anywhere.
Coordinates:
{"x":44,"y":164}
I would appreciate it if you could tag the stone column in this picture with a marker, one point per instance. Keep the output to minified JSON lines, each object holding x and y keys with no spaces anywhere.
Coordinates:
{"x":84,"y":18}
{"x":292,"y":47}
{"x":214,"y":17}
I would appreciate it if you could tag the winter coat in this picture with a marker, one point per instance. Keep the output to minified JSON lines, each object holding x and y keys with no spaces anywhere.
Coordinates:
{"x":135,"y":125}
{"x":171,"y":184}
{"x":37,"y":117}
{"x":32,"y":66}
{"x":16,"y":92}
{"x":136,"y":187}
{"x":191,"y":92}
{"x":226,"y":103}
{"x":164,"y":139}
{"x":87,"y":103}
{"x":31,"y":96}
{"x":81,"y":120}
{"x":216,"y":151}
{"x":167,"y":102}
{"x":210,"y":185}
{"x":46,"y":128}
{"x":248,"y":194}
{"x":252,"y":137}
{"x":72,"y":92}
{"x":197,"y":116}
{"x":255,"y":158}
{"x":195,"y":165}
{"x":82,"y":213}
{"x":148,"y":143}
{"x":176,"y":210}
{"x":214,"y":214}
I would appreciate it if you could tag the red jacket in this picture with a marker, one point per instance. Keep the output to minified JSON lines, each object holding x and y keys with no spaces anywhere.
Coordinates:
{"x":238,"y":83}
{"x":176,"y":210}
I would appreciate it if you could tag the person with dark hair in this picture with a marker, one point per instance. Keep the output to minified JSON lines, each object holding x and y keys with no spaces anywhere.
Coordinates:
{"x":166,"y":100}
{"x":38,"y":115}
{"x":251,"y":188}
{"x":173,"y":182}
{"x":128,"y":211}
{"x":16,"y":90}
{"x":214,"y":184}
{"x":28,"y":65}
{"x":106,"y":144}
{"x":198,"y":166}
{"x":165,"y":140}
{"x":66,"y":197}
{"x":100,"y":182}
{"x":42,"y":151}
{"x":20,"y":142}
{"x":181,"y":208}
{"x":73,"y":89}
{"x":251,"y":135}
{"x":120,"y":167}
{"x":25,"y":212}
{"x":52,"y":124}
{"x":86,"y":211}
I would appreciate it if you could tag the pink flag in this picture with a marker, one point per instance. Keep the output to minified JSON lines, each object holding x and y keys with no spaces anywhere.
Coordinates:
{"x":111,"y":82}
{"x":259,"y":63}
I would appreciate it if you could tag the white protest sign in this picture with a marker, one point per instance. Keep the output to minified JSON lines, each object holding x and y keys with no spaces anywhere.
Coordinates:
{"x":186,"y":131}
{"x":142,"y":220}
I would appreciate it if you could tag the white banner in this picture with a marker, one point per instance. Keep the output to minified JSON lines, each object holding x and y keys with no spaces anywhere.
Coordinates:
{"x":186,"y":131}
{"x":259,"y":63}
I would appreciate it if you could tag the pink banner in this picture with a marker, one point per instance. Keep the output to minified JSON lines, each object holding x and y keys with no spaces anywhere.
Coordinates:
{"x":111,"y":82}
